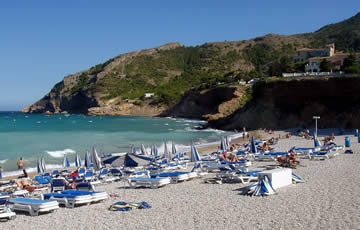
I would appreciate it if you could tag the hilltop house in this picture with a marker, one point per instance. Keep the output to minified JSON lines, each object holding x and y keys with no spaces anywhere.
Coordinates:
{"x":316,"y":56}
{"x":305,"y":53}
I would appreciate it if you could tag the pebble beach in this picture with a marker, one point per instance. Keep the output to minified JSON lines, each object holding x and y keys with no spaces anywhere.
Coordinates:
{"x":329,"y":199}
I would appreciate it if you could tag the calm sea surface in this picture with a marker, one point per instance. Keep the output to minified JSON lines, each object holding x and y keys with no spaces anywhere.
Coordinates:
{"x":51,"y":136}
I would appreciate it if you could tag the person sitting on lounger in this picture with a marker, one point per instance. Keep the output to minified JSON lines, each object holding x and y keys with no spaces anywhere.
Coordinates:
{"x":265,"y":147}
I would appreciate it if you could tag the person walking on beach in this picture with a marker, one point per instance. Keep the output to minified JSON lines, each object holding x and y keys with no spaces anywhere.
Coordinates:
{"x":20,"y":163}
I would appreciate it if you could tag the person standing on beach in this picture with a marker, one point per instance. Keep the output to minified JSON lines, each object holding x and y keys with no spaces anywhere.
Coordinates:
{"x":1,"y":172}
{"x":20,"y":163}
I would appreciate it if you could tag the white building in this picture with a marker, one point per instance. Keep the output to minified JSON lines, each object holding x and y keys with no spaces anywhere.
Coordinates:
{"x":306,"y":53}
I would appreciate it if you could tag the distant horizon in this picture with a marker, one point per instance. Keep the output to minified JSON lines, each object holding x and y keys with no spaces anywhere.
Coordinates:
{"x":45,"y":41}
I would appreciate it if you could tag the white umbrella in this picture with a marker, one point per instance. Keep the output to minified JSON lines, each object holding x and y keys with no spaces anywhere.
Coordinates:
{"x":39,"y":167}
{"x":194,"y":154}
{"x":77,"y":160}
{"x":43,"y":164}
{"x":97,"y":160}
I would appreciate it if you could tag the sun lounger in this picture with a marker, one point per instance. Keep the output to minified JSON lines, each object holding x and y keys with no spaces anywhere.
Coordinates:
{"x":149,"y":182}
{"x":68,"y":200}
{"x":95,"y":196}
{"x":33,"y":206}
{"x":319,"y":155}
{"x":20,"y":193}
{"x":58,"y":184}
{"x":174,"y":176}
{"x":5,"y":211}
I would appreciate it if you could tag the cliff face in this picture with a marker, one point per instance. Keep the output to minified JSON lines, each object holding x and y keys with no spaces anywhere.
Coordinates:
{"x":293,"y":103}
{"x":208,"y":104}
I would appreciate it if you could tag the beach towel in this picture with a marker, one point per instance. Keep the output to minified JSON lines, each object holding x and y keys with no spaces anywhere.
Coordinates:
{"x":128,"y":206}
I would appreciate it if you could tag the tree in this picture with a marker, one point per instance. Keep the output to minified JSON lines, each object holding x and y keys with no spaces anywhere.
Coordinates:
{"x":348,"y":61}
{"x":326,"y":66}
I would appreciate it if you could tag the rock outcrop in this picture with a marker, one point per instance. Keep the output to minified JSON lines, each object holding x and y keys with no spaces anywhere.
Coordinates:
{"x":292,"y":103}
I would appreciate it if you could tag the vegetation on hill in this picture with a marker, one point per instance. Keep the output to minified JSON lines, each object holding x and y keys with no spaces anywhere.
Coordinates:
{"x":345,"y":35}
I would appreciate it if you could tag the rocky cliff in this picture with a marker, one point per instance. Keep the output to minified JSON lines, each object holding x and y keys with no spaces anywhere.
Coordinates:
{"x":293,"y":103}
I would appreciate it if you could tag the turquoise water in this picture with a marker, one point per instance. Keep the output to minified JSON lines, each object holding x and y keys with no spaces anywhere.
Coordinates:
{"x":51,"y":136}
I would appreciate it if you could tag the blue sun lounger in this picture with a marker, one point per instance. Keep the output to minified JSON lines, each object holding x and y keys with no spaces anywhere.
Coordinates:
{"x":68,"y":200}
{"x":33,"y":206}
{"x":95,"y":196}
{"x":5,"y":211}
{"x":149,"y":182}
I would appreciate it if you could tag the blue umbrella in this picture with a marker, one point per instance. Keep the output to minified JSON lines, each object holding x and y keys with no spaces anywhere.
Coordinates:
{"x":66,"y":163}
{"x":222,"y":144}
{"x":316,"y":141}
{"x":194,"y":154}
{"x":39,"y":167}
{"x":77,"y":160}
{"x":43,"y":164}
{"x":252,"y":145}
{"x":173,"y":149}
{"x":87,"y":160}
{"x":156,"y":151}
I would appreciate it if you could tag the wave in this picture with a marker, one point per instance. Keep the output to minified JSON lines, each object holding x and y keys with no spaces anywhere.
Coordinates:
{"x":3,"y":161}
{"x":60,"y":153}
{"x":49,"y":168}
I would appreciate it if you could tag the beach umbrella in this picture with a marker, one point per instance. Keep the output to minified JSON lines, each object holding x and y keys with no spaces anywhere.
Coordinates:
{"x":133,"y":149}
{"x":156,"y":151}
{"x":264,"y":187}
{"x":173,"y":149}
{"x":43,"y":165}
{"x":77,"y":160}
{"x":222,"y":144}
{"x":39,"y":167}
{"x":167,"y":154}
{"x":252,"y":145}
{"x":194,"y":154}
{"x":227,"y":142}
{"x":87,"y":159}
{"x":316,"y":141}
{"x":97,"y":160}
{"x":66,"y":163}
{"x":142,"y":148}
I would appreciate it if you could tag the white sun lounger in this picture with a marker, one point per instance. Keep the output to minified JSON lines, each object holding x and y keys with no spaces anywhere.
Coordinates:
{"x":68,"y":200}
{"x":174,"y":176}
{"x":33,"y":206}
{"x":95,"y":196}
{"x":5,"y":211}
{"x":149,"y":182}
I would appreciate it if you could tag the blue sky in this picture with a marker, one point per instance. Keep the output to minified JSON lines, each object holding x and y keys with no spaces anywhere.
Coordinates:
{"x":41,"y":41}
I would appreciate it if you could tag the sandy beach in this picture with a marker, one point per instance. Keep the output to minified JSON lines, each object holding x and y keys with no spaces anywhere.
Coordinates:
{"x":327,"y":200}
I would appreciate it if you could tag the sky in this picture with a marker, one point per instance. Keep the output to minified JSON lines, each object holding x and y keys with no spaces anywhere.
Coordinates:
{"x":42,"y":41}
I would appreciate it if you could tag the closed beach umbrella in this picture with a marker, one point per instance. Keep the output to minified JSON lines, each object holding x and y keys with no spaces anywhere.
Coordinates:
{"x":156,"y":151}
{"x":97,"y":160}
{"x":143,"y":151}
{"x":316,"y":141}
{"x":252,"y":145}
{"x":39,"y":167}
{"x":194,"y":154}
{"x":222,"y":144}
{"x":227,"y":141}
{"x":173,"y":149}
{"x":133,"y":149}
{"x":167,"y":154}
{"x":87,"y":160}
{"x":77,"y":160}
{"x":43,"y":164}
{"x":66,"y":163}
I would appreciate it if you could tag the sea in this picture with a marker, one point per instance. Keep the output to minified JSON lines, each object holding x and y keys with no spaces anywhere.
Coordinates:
{"x":34,"y":136}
